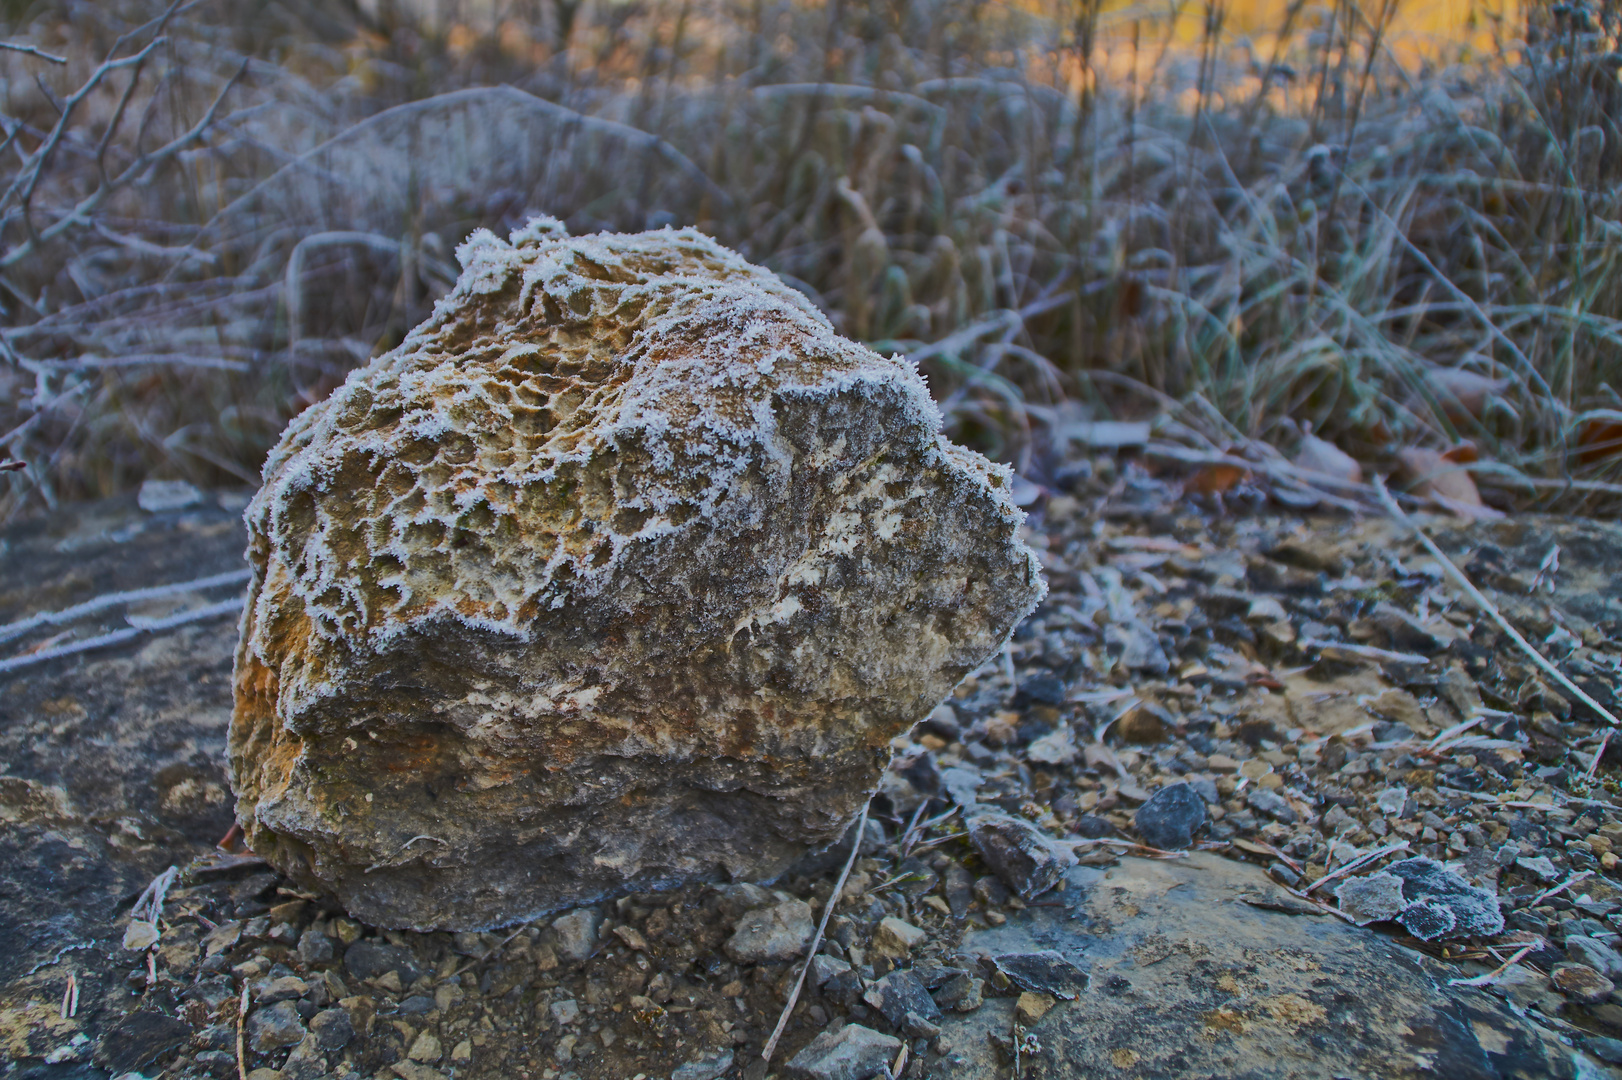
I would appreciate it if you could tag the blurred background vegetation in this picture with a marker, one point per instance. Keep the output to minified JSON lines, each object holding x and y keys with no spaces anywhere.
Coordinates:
{"x":1253,"y":232}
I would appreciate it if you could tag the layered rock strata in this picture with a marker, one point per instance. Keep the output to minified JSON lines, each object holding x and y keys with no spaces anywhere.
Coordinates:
{"x":621,"y":571}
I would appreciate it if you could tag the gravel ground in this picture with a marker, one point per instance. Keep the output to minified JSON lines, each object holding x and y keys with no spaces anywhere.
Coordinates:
{"x":1299,"y":691}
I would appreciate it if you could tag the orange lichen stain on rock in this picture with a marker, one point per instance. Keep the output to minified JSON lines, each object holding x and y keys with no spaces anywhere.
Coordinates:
{"x":1224,"y":1020}
{"x":413,"y":754}
{"x":1295,"y":1010}
{"x":1123,"y":1058}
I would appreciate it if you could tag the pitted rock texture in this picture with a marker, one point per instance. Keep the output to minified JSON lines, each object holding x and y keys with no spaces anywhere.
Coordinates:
{"x":621,"y":571}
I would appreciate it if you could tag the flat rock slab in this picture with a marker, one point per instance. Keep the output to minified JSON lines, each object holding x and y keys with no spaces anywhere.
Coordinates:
{"x":1189,"y":979}
{"x":112,"y":763}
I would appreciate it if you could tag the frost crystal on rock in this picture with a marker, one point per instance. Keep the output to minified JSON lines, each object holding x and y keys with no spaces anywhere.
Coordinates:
{"x":621,"y":571}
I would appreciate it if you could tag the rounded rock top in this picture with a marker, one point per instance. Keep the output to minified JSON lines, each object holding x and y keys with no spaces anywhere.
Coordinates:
{"x":620,"y":571}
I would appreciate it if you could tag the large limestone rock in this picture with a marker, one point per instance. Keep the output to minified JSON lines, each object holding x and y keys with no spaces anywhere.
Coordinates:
{"x":621,"y":571}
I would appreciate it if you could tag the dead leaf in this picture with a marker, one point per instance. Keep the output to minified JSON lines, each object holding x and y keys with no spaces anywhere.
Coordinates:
{"x":1446,"y":483}
{"x":1461,"y":393}
{"x":1322,"y":456}
{"x":1465,"y":453}
{"x":1599,"y":440}
{"x":1214,"y":480}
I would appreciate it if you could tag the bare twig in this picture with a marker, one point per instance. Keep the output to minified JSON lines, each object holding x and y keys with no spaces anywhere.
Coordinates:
{"x":242,"y":1019}
{"x":80,"y":214}
{"x":117,"y":637}
{"x":32,"y":50}
{"x":149,"y":906}
{"x":109,"y":600}
{"x":1556,"y":890}
{"x":1346,"y":650}
{"x":1496,"y":973}
{"x":816,"y":940}
{"x":1355,"y":864}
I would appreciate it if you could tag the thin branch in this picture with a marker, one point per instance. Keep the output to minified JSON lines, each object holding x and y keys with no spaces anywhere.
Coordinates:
{"x":1490,"y":609}
{"x":110,"y":600}
{"x":1355,"y":864}
{"x":118,"y":637}
{"x":816,"y":941}
{"x":79,"y":215}
{"x":1493,"y":975}
{"x":33,"y":50}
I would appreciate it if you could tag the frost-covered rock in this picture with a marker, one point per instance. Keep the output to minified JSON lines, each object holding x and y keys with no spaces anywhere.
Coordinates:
{"x":621,"y":571}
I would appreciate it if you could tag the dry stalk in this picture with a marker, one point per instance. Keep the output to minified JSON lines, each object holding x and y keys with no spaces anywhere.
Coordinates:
{"x":1496,"y":973}
{"x":1356,"y":864}
{"x":1490,"y":609}
{"x":242,"y":1020}
{"x":816,"y":940}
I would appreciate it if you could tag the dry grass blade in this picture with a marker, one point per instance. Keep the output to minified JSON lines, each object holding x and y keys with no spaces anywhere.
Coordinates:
{"x":118,"y":637}
{"x":1260,"y":265}
{"x":1356,"y":864}
{"x":816,"y":940}
{"x":1496,"y":973}
{"x":1488,"y":608}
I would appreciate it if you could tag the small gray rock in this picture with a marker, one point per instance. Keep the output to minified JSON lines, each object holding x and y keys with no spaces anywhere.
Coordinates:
{"x":853,"y":1052}
{"x":708,"y":1067}
{"x":1206,"y":788}
{"x":306,"y":1062}
{"x":900,"y":994}
{"x":332,"y":1028}
{"x":1428,"y":921}
{"x":1170,"y":817}
{"x":961,"y":783}
{"x":1538,"y":866}
{"x":577,"y":934}
{"x":779,"y":932}
{"x":1375,"y":898}
{"x":275,"y":1027}
{"x":286,"y":988}
{"x":314,"y":947}
{"x":1140,"y":647}
{"x":1582,"y":949}
{"x":1044,"y":972}
{"x":371,"y":958}
{"x":1273,"y":805}
{"x":1430,"y":888}
{"x":566,"y":1012}
{"x":217,"y":1062}
{"x":961,"y":993}
{"x":825,"y":967}
{"x":1019,"y":853}
{"x":1581,"y":983}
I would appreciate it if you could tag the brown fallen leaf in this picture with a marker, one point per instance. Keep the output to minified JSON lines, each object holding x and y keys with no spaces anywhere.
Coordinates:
{"x":1214,"y":480}
{"x":1463,"y":394}
{"x":1465,"y":453}
{"x":1599,"y":440}
{"x":1445,"y":482}
{"x":1324,"y":457}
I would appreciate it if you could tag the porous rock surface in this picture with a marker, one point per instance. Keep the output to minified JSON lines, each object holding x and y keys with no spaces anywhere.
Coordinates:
{"x":622,"y":570}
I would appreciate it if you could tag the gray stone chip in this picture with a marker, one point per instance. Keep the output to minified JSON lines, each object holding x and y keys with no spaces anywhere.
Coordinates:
{"x":1045,"y":972}
{"x":853,"y":1052}
{"x":1375,"y":898}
